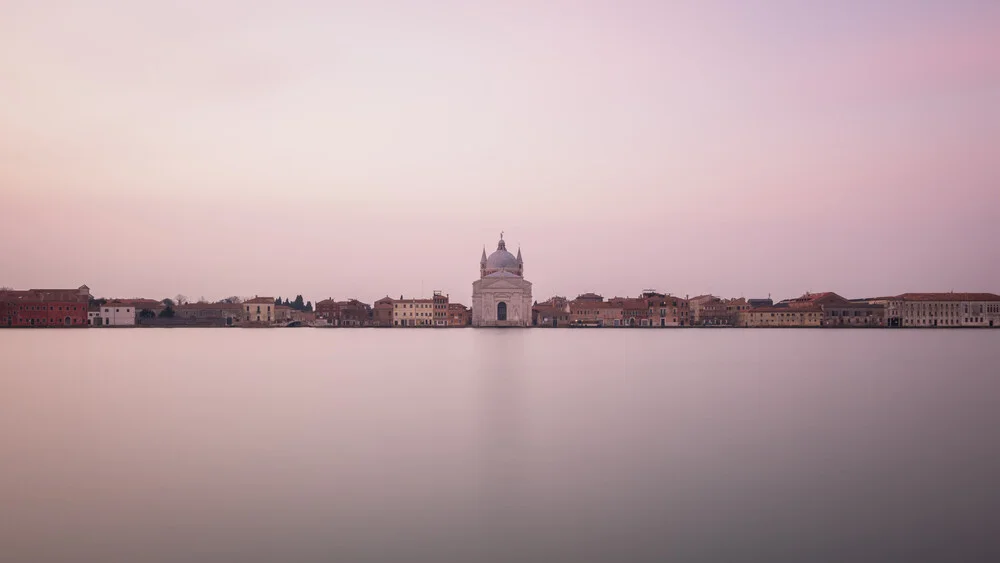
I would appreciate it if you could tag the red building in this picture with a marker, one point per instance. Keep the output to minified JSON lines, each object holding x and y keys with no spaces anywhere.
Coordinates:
{"x":344,"y":313}
{"x":635,"y":311}
{"x":45,"y":307}
{"x":382,"y":312}
{"x":458,"y":315}
{"x":440,"y":309}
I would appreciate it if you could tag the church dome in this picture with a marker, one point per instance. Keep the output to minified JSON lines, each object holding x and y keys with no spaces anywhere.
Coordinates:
{"x":501,"y":258}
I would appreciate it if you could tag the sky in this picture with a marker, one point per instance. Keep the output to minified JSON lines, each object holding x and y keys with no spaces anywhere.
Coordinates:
{"x":362,"y":149}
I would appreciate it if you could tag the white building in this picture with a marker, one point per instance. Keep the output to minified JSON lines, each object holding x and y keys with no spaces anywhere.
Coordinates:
{"x":925,"y":310}
{"x":501,"y":296}
{"x":116,"y":313}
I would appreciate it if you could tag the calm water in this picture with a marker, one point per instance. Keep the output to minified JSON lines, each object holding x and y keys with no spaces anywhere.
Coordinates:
{"x":293,"y":445}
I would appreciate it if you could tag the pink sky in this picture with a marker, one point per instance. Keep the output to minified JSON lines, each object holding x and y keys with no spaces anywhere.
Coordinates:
{"x":370,"y":148}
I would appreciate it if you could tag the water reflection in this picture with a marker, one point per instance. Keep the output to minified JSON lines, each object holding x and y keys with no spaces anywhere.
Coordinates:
{"x":498,"y":445}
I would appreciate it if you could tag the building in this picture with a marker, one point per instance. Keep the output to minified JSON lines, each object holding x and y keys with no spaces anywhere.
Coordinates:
{"x":458,"y":315}
{"x":412,"y":312}
{"x":352,"y":313}
{"x":93,"y":315}
{"x":709,"y":310}
{"x":44,"y":307}
{"x":952,"y":310}
{"x":786,"y":317}
{"x":259,"y":310}
{"x":591,"y":310}
{"x":227,"y":314}
{"x":118,"y":312}
{"x":382,"y":312}
{"x":735,"y":308}
{"x":609,"y":315}
{"x":585,"y":310}
{"x":326,"y":309}
{"x":282,"y":314}
{"x":666,"y":310}
{"x":838,"y":311}
{"x":635,"y":311}
{"x":555,"y":312}
{"x":893,"y":310}
{"x":501,"y":297}
{"x":440,"y":309}
{"x":858,"y":314}
{"x":760,"y":302}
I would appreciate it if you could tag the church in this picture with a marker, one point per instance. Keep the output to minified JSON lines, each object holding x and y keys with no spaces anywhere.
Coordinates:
{"x":501,"y":296}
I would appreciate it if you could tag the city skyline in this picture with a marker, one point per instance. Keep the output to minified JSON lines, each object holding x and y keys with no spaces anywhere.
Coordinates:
{"x":220,"y":148}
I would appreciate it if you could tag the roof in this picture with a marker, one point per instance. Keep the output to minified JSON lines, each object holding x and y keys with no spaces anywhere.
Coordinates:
{"x":629,"y":303}
{"x":203,"y":306}
{"x":949,"y":296}
{"x":261,"y":300}
{"x":590,"y":297}
{"x":501,"y":258}
{"x":136,"y":302}
{"x":503,"y":274}
{"x":40,"y":295}
{"x":789,"y":310}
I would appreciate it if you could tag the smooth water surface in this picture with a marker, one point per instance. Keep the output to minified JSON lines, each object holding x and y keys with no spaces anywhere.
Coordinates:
{"x":288,"y":445}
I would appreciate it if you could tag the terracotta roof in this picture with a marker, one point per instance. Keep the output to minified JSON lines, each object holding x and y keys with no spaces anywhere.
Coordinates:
{"x":40,"y":295}
{"x":203,"y":306}
{"x":949,"y":296}
{"x":257,"y":300}
{"x":136,"y":302}
{"x":789,"y":310}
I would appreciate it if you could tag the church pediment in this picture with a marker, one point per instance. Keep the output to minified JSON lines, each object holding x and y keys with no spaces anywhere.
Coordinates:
{"x":501,"y":285}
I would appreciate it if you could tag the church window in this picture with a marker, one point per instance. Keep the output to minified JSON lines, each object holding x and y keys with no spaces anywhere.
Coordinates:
{"x":501,"y":311}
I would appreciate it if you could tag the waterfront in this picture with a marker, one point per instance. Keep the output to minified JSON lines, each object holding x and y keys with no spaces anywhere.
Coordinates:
{"x":499,"y":445}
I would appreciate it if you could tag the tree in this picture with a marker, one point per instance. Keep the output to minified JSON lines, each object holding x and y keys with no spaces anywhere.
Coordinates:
{"x":286,"y":304}
{"x":147,"y":314}
{"x":298,"y":304}
{"x":277,"y":301}
{"x":167,"y":313}
{"x":181,"y":299}
{"x":232,"y":300}
{"x":309,"y":306}
{"x":168,"y":302}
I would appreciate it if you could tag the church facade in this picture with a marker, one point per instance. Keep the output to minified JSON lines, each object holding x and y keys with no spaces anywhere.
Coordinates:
{"x":501,"y":296}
